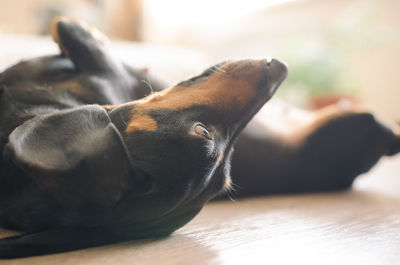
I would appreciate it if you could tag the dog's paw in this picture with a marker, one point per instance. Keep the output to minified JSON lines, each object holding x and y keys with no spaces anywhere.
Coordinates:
{"x":71,"y":25}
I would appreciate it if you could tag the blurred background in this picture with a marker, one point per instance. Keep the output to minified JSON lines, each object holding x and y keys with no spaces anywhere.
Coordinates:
{"x":335,"y":49}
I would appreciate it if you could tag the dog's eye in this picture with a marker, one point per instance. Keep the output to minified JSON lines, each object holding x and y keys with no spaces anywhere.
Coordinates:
{"x":202,"y":131}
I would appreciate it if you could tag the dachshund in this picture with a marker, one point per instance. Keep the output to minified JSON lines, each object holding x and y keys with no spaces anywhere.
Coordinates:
{"x":89,"y":159}
{"x":87,"y":163}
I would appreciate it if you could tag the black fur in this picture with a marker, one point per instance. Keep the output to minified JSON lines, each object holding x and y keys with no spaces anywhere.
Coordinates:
{"x":73,"y":176}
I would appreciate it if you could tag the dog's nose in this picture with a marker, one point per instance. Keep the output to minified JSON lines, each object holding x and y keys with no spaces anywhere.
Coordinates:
{"x":269,"y":60}
{"x":275,"y":63}
{"x":276,"y":72}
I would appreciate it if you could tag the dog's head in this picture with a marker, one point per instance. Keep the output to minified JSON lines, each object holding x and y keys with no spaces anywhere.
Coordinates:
{"x":153,"y":161}
{"x":180,"y":140}
{"x":135,"y":170}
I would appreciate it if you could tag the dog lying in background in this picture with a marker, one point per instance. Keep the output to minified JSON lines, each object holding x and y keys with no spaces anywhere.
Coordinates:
{"x":88,"y":159}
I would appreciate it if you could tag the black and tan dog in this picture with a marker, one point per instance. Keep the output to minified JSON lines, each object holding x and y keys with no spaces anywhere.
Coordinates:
{"x":87,"y":160}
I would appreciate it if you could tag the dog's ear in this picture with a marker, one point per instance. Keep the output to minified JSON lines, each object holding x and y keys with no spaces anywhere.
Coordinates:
{"x":76,"y":155}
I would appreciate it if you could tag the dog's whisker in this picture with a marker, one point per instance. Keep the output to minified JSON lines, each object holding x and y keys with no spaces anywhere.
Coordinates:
{"x":232,"y":190}
{"x":216,"y":69}
{"x":123,"y":120}
{"x":234,"y":186}
{"x":230,"y":195}
{"x":220,"y":69}
{"x":213,"y":69}
{"x":148,"y":83}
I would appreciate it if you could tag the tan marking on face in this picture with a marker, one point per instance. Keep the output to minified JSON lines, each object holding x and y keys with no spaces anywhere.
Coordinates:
{"x":230,"y":91}
{"x":227,"y":183}
{"x":219,"y":158}
{"x":141,"y":122}
{"x":108,"y":107}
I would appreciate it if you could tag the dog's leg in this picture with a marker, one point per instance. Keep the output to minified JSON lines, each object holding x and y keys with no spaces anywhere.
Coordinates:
{"x":84,"y":44}
{"x":327,"y":154}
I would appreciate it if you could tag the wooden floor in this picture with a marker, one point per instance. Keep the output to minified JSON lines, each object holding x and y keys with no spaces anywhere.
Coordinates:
{"x":361,"y":226}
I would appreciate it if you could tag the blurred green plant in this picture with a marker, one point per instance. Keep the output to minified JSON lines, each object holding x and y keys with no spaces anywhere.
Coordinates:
{"x":318,"y":62}
{"x":315,"y":68}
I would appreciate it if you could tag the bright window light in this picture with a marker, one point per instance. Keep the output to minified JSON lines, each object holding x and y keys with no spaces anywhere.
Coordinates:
{"x":179,"y":12}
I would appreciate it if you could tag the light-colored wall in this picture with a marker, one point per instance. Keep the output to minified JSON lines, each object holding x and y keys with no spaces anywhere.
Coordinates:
{"x":371,"y":53}
{"x":378,"y":67}
{"x":373,"y":60}
{"x":117,"y":18}
{"x":23,"y":16}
